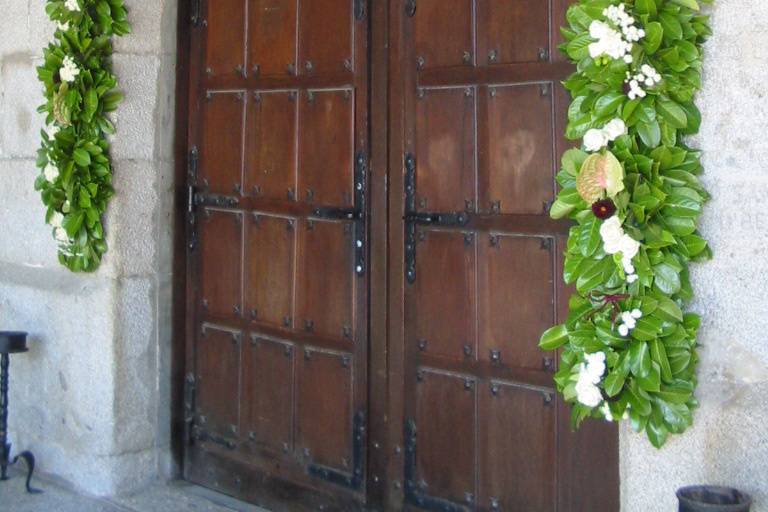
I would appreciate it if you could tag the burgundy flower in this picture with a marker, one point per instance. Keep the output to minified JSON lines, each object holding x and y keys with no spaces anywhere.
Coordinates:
{"x":603,"y":209}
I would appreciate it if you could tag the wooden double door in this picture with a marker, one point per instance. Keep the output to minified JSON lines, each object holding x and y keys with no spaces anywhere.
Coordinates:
{"x":370,"y":261}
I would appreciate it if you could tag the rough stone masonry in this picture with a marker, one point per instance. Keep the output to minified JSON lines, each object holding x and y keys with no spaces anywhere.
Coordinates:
{"x":92,"y":396}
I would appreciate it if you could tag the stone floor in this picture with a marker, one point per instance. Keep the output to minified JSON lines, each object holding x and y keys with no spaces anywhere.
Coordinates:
{"x":175,"y":496}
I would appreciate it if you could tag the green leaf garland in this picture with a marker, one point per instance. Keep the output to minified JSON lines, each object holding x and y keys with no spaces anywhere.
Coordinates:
{"x":80,"y":90}
{"x":628,"y":346}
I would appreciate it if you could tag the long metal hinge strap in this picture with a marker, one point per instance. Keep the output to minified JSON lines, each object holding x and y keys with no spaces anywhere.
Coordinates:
{"x":195,"y":13}
{"x":189,"y":407}
{"x":361,"y":177}
{"x":192,"y":162}
{"x":354,"y":480}
{"x":360,"y":9}
{"x":413,"y":495}
{"x":440,"y":219}
{"x":410,"y":227}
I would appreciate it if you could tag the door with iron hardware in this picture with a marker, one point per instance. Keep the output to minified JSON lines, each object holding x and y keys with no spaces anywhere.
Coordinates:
{"x":276,"y":384}
{"x":482,"y":112}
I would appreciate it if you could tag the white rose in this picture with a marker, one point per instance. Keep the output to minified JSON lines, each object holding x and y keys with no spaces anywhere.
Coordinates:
{"x":51,"y":172}
{"x":623,"y":330}
{"x":61,"y":235}
{"x":587,"y":393}
{"x":629,"y":247}
{"x":595,"y":140}
{"x":629,"y":320}
{"x":599,"y":30}
{"x":56,"y":220}
{"x":595,"y":366}
{"x":615,"y":129}
{"x":611,"y":232}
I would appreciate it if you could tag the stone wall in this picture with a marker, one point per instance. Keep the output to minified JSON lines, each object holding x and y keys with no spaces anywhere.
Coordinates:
{"x":91,"y":398}
{"x":728,"y":443}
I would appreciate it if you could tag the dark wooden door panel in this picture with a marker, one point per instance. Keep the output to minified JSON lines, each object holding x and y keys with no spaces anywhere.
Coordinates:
{"x":270,"y":259}
{"x":517,"y":448}
{"x":267,"y":393}
{"x":277,"y":241}
{"x":444,"y":33}
{"x":225,"y":38}
{"x":514,"y":31}
{"x":221,"y":152}
{"x":272,"y":37}
{"x":516,"y":296}
{"x":326,"y":36}
{"x":326,"y":138}
{"x":270,"y":151}
{"x":325,"y":286}
{"x":445,"y":436}
{"x":445,"y":266}
{"x":445,"y":143}
{"x":325,"y":405}
{"x":218,"y":367}
{"x":221,"y":241}
{"x":519,"y":174}
{"x":481,"y":122}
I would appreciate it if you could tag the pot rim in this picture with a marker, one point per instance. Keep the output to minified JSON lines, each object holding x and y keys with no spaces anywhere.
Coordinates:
{"x":737,"y":506}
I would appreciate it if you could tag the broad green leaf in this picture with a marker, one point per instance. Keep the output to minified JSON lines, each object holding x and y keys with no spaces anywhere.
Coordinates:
{"x":653,"y":37}
{"x":666,"y":278}
{"x":554,"y":337}
{"x":614,"y":383}
{"x":652,"y":381}
{"x":659,"y":355}
{"x":650,"y":133}
{"x":691,"y":4}
{"x":81,"y":157}
{"x":608,"y":103}
{"x":671,"y":25}
{"x":668,"y":310}
{"x":672,"y":113}
{"x":589,"y":237}
{"x":639,"y":359}
{"x":646,"y":7}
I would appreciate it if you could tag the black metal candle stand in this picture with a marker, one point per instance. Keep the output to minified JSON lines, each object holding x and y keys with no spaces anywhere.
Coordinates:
{"x":11,"y":343}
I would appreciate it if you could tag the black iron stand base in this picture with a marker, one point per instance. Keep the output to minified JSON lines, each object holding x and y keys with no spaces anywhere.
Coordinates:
{"x":5,"y":446}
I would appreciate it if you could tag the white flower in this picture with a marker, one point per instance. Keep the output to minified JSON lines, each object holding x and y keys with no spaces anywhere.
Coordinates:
{"x":629,"y":268}
{"x":587,"y":393}
{"x":61,"y":235}
{"x":51,"y":130}
{"x":56,"y":220}
{"x":629,"y":247}
{"x":63,"y":26}
{"x":606,"y":410}
{"x":599,"y":30}
{"x":51,"y":172}
{"x":628,"y":59}
{"x":72,"y":5}
{"x":594,"y":368}
{"x":615,"y":129}
{"x":631,"y":278}
{"x":595,"y":139}
{"x":611,"y":232}
{"x":629,"y":321}
{"x":69,"y":70}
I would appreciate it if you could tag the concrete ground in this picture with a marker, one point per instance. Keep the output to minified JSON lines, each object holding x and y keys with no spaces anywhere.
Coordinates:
{"x":175,"y":496}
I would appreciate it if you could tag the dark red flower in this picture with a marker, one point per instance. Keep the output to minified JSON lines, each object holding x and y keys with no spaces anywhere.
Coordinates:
{"x":603,"y":209}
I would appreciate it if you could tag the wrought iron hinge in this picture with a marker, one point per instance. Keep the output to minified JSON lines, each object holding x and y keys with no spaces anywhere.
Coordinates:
{"x":193,"y":160}
{"x":195,"y":14}
{"x":189,"y":407}
{"x":199,"y":434}
{"x":199,"y":198}
{"x":337,"y":213}
{"x":361,"y":180}
{"x":413,"y":217}
{"x":355,"y":479}
{"x":413,"y":494}
{"x":360,"y":9}
{"x":410,"y":8}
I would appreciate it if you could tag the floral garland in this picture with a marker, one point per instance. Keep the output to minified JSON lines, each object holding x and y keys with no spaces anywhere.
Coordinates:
{"x":76,"y":178}
{"x":628,"y":347}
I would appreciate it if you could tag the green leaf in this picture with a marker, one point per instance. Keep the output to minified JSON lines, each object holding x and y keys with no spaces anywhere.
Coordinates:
{"x":672,"y":113}
{"x":73,"y":222}
{"x":666,"y":278}
{"x":608,"y":103}
{"x":657,"y":433}
{"x":652,"y":381}
{"x":653,"y":37}
{"x":614,"y":383}
{"x":81,"y":157}
{"x":691,"y":4}
{"x":646,"y":7}
{"x":589,"y":237}
{"x":650,"y":133}
{"x":639,"y":359}
{"x":668,"y":310}
{"x":671,"y":25}
{"x":578,"y":48}
{"x":554,"y":337}
{"x":659,"y":355}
